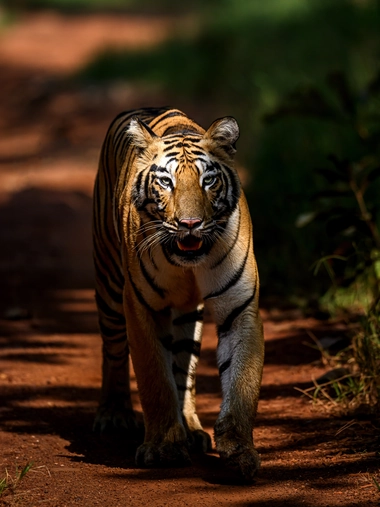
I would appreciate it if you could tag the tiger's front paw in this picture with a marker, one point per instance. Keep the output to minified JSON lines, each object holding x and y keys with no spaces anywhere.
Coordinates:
{"x":245,"y":461}
{"x":200,"y":441}
{"x":166,"y":454}
{"x":237,"y":451}
{"x":111,"y":418}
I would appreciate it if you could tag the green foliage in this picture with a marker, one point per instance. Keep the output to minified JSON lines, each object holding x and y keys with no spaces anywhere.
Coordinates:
{"x":366,"y":354}
{"x":348,"y":208}
{"x":359,"y":388}
{"x":348,"y":203}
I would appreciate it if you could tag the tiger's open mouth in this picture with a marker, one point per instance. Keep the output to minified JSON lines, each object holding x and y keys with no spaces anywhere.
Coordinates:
{"x":189,"y":243}
{"x":188,"y":250}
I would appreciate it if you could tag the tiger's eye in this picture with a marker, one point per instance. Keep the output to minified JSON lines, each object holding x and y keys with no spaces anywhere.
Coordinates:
{"x":208,"y":180}
{"x":164,"y":181}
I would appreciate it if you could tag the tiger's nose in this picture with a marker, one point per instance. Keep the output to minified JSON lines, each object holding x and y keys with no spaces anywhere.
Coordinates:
{"x":190,"y":223}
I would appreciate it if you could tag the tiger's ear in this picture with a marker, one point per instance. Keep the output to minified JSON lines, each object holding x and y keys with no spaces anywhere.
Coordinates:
{"x":224,"y":132}
{"x":142,"y":135}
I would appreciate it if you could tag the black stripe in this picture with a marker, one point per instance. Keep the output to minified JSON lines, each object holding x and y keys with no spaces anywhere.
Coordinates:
{"x":157,"y":191}
{"x":145,"y":235}
{"x":225,"y":180}
{"x":164,"y":169}
{"x":140,"y":296}
{"x":172,"y":154}
{"x":147,"y":113}
{"x":176,"y":369}
{"x":223,"y":367}
{"x":198,"y":152}
{"x":146,"y":185}
{"x":122,"y":135}
{"x":219,"y":262}
{"x":158,"y":290}
{"x":188,"y":318}
{"x":233,"y":281}
{"x":227,"y":324}
{"x":171,"y":146}
{"x":192,"y":140}
{"x":106,"y":152}
{"x":123,"y":113}
{"x":95,"y":205}
{"x":171,"y":261}
{"x":170,"y":114}
{"x":154,"y":168}
{"x":99,"y":263}
{"x":236,"y":189}
{"x":115,"y":120}
{"x":107,"y":310}
{"x":137,"y":188}
{"x":180,"y":129}
{"x":104,"y":231}
{"x":167,"y":341}
{"x":116,"y":296}
{"x":115,"y":358}
{"x":111,"y":340}
{"x":181,"y":388}
{"x":187,"y":345}
{"x":171,"y":160}
{"x":107,"y":332}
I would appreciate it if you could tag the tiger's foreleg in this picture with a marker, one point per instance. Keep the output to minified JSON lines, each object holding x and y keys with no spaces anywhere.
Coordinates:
{"x":149,"y":337}
{"x":187,"y":336}
{"x":240,"y":356}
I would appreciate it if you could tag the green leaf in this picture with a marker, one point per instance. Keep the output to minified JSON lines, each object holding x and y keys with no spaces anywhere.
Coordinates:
{"x":3,"y":485}
{"x":25,"y":470}
{"x":376,"y":483}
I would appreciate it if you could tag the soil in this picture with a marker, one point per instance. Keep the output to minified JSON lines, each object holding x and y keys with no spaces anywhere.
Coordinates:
{"x":50,"y":358}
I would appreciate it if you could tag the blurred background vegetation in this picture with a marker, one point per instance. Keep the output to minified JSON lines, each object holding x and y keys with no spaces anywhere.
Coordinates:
{"x":301,"y":77}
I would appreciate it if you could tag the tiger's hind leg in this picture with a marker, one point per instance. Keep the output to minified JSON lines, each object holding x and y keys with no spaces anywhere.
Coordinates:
{"x":115,"y":410}
{"x":187,"y":332}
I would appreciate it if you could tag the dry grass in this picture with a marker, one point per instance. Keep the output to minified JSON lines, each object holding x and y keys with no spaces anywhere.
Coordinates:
{"x":9,"y":483}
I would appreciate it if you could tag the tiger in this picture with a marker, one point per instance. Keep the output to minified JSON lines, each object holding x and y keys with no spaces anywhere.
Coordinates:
{"x":172,"y":233}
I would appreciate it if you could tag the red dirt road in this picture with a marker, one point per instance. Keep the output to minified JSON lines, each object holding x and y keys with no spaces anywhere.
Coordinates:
{"x":50,"y":355}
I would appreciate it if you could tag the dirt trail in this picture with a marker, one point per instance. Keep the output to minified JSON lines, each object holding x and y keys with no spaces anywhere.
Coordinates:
{"x":50,"y":135}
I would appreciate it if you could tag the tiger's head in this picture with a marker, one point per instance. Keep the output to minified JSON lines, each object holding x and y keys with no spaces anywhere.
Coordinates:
{"x":185,"y":187}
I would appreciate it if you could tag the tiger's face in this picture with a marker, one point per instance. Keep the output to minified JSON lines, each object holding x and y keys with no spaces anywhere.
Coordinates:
{"x":185,"y":188}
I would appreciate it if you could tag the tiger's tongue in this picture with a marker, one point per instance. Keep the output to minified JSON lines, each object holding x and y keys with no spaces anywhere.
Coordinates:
{"x":189,"y":243}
